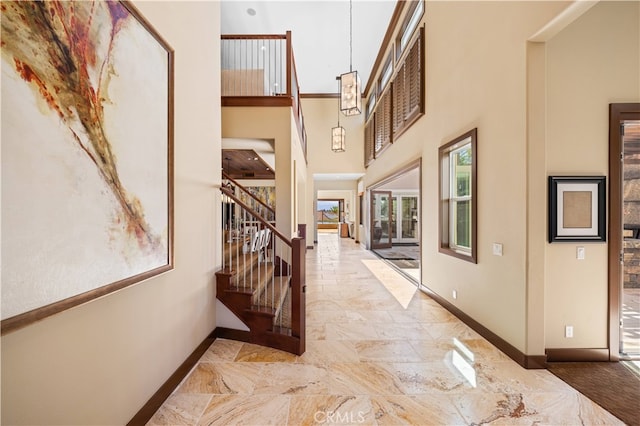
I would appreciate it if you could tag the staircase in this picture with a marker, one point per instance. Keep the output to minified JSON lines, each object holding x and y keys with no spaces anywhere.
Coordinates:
{"x":262,"y":280}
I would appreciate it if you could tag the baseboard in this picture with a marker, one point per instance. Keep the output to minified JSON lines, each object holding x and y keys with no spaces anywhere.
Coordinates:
{"x":231,"y":334}
{"x":526,"y":361}
{"x":155,"y":402}
{"x":577,"y":355}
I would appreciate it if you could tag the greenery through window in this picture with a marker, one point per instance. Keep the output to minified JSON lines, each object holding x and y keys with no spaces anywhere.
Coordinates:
{"x":457,"y":195}
{"x":329,"y":211}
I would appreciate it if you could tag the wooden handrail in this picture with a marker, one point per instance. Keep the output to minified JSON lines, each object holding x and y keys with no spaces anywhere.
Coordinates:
{"x":288,"y":64}
{"x":253,"y":36}
{"x":226,"y":176}
{"x":273,"y":229}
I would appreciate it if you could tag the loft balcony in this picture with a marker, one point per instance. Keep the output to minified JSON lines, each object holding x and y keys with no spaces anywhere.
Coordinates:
{"x":259,"y":70}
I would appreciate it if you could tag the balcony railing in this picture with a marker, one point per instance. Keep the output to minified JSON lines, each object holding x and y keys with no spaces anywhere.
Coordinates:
{"x":259,"y":70}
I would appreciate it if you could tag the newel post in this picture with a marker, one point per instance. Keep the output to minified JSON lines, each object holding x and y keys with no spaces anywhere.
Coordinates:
{"x":298,"y":291}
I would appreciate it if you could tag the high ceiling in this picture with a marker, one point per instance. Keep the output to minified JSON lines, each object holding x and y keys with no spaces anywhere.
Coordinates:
{"x":319,"y":33}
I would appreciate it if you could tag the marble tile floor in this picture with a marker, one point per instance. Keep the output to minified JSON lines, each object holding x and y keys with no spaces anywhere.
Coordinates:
{"x":379,"y":352}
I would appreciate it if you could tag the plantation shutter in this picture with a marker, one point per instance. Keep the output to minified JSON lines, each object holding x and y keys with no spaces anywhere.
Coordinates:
{"x":369,"y":141}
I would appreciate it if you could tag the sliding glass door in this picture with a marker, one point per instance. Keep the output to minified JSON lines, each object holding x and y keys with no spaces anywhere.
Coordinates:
{"x":381,"y":219}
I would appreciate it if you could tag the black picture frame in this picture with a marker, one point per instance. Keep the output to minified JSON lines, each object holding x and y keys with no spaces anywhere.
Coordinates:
{"x":577,"y":208}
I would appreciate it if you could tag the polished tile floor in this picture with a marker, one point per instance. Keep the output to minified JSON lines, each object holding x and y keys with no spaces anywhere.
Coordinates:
{"x":379,"y":352}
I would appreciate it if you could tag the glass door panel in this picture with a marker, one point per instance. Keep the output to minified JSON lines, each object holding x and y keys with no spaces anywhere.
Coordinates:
{"x":630,"y":294}
{"x":394,"y":216}
{"x":381,"y":217}
{"x":409,"y":217}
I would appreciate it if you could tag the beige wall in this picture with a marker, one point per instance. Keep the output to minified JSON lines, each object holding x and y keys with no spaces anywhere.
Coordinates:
{"x":541,"y":108}
{"x":321,"y":115}
{"x":275,"y":123}
{"x":593,"y":62}
{"x":100,"y":362}
{"x":476,"y":76}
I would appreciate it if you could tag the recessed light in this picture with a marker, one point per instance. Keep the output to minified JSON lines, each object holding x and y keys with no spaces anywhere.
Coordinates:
{"x":251,"y":12}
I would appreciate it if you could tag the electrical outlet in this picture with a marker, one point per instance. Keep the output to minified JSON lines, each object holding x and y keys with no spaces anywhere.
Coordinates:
{"x":568,"y":331}
{"x":580,"y":253}
{"x":455,"y":294}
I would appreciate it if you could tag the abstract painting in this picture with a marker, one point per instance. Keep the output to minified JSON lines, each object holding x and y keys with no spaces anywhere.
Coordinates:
{"x":87,"y":146}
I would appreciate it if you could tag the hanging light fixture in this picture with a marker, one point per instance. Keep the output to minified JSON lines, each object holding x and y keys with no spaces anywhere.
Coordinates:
{"x":350,"y":86}
{"x":338,"y":137}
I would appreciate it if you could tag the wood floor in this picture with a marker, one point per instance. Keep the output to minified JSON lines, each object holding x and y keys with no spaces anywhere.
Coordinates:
{"x":611,"y":385}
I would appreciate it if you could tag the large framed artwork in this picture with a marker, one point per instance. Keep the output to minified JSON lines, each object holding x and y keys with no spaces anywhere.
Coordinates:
{"x":577,"y":208}
{"x":86,"y":154}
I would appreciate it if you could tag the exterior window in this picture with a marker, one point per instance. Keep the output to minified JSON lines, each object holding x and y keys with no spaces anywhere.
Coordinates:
{"x":458,"y":197}
{"x":387,"y":72}
{"x":371,"y":104}
{"x":408,"y":27}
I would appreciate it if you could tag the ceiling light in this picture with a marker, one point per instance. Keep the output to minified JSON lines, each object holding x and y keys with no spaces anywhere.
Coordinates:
{"x":350,"y":86}
{"x":338,"y":136}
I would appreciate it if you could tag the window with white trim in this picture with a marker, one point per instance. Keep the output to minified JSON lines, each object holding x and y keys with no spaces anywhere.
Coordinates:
{"x":458,"y":185}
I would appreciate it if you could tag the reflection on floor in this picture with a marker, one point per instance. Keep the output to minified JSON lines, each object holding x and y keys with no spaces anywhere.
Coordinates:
{"x":404,"y":257}
{"x":631,"y":322}
{"x":406,"y":252}
{"x":376,"y":354}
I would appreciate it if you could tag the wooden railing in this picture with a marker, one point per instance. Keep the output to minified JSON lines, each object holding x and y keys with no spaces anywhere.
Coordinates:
{"x":262,"y":279}
{"x":259,"y":70}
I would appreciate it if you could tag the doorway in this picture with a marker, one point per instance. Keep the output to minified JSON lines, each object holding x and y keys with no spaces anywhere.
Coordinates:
{"x":624,"y":231}
{"x":394,"y":220}
{"x":329,"y":213}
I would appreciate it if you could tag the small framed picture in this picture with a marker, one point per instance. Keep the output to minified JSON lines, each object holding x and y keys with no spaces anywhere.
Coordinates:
{"x":577,"y":208}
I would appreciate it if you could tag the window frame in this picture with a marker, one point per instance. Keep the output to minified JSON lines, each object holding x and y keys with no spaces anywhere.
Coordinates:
{"x":386,"y":75}
{"x":408,"y":28}
{"x":447,"y":212}
{"x":371,"y":104}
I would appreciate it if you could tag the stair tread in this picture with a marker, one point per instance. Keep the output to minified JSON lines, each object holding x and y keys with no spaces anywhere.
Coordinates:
{"x":282,"y":330}
{"x":241,"y":263}
{"x":254,"y":280}
{"x":273,"y":293}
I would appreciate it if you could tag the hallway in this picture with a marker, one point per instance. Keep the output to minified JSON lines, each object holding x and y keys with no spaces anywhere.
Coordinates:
{"x":378,"y":352}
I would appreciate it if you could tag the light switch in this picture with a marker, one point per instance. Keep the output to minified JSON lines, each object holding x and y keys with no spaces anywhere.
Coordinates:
{"x":497,"y":249}
{"x":580,"y":252}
